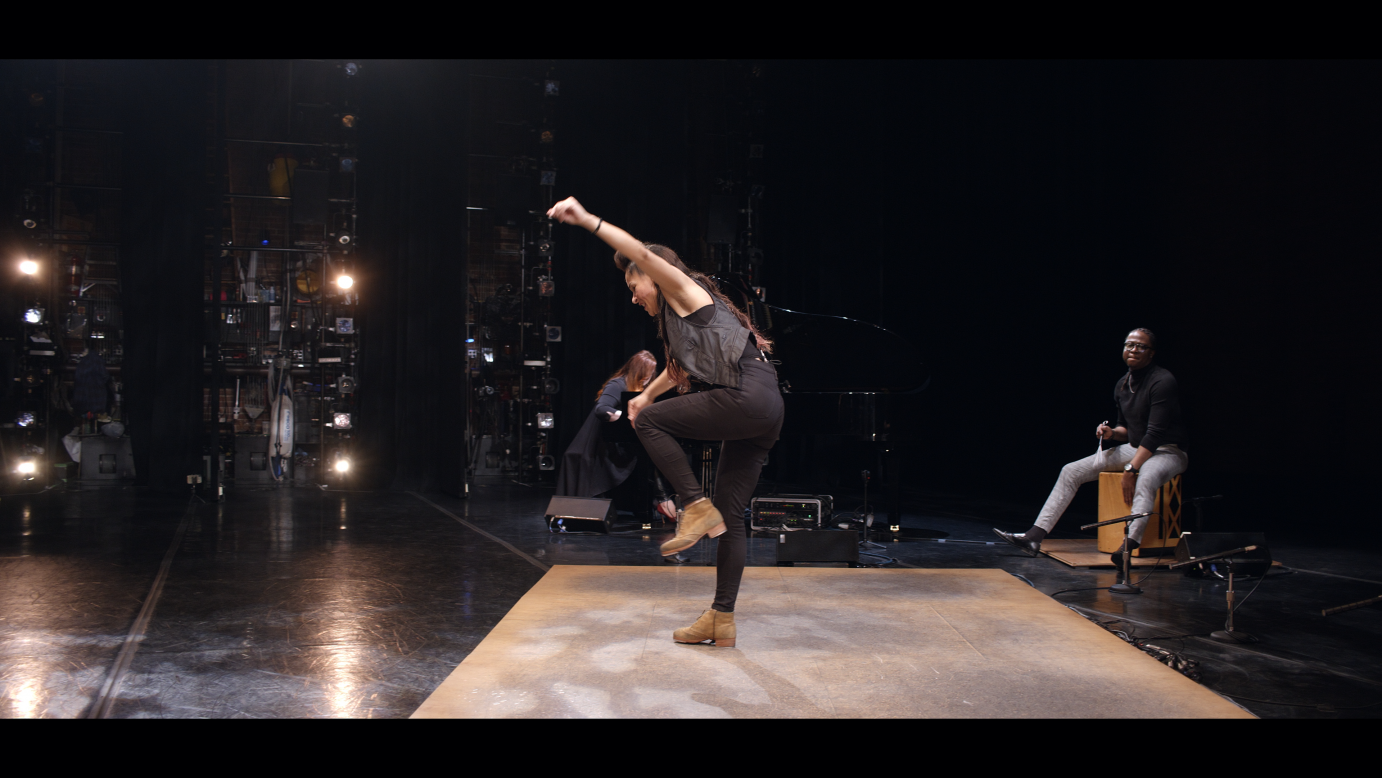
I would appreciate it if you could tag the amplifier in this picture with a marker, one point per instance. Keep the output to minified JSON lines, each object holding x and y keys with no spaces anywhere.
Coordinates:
{"x":792,"y":511}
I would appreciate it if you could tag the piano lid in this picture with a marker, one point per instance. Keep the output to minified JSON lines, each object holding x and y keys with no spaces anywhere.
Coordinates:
{"x":821,"y":353}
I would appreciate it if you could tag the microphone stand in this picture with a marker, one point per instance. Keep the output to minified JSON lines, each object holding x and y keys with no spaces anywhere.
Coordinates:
{"x":1125,"y":587}
{"x":1351,"y":606}
{"x":1198,"y":504}
{"x":1228,"y":634}
{"x":868,"y":517}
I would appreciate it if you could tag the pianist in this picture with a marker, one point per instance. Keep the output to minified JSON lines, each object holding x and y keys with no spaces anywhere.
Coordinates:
{"x":1149,"y":423}
{"x":593,"y":465}
{"x":711,"y":341}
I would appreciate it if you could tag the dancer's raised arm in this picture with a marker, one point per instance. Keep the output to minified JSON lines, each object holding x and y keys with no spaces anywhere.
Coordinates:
{"x":683,"y":294}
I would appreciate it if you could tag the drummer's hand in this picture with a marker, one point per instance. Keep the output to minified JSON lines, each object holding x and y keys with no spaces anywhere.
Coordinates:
{"x":1104,"y":432}
{"x":568,"y":211}
{"x":636,"y":406}
{"x":1129,"y":487}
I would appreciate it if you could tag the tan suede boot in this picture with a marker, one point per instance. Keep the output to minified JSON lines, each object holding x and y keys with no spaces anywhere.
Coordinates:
{"x":698,"y":520}
{"x":713,"y":625}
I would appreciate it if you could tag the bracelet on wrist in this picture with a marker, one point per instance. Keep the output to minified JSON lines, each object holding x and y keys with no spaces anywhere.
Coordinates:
{"x":597,"y":227}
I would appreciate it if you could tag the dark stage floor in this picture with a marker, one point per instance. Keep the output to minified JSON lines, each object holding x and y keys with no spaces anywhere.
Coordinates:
{"x":296,"y":602}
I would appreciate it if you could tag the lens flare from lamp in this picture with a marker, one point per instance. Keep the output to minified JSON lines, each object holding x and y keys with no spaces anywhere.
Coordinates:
{"x":342,"y":465}
{"x":26,"y":467}
{"x":33,"y":315}
{"x":345,"y":281}
{"x":28,"y":267}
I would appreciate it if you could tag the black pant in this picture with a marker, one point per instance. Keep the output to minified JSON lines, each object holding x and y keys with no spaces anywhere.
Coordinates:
{"x":747,"y":421}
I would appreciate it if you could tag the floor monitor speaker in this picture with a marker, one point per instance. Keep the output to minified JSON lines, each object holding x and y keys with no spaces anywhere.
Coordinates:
{"x":818,"y":546}
{"x":580,"y":514}
{"x":1197,"y":544}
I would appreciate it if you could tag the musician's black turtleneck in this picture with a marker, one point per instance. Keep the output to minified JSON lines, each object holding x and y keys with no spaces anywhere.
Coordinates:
{"x":1150,"y":408}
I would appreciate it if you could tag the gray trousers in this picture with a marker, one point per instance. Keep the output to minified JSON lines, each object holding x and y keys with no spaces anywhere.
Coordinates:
{"x":1166,"y":463}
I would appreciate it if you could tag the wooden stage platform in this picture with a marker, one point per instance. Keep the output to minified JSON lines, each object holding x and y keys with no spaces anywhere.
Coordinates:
{"x":595,"y":642}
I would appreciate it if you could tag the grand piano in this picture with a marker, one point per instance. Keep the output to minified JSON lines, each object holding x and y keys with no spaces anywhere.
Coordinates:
{"x":843,"y":380}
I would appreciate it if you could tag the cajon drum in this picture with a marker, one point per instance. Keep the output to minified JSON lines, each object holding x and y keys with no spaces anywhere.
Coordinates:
{"x":1163,"y":527}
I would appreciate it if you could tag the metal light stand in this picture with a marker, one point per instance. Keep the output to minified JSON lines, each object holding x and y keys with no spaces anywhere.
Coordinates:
{"x":1229,"y":634}
{"x":1125,"y":587}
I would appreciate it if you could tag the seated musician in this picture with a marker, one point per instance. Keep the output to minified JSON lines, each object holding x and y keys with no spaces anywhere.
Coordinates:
{"x":593,"y":466}
{"x":1149,"y":421}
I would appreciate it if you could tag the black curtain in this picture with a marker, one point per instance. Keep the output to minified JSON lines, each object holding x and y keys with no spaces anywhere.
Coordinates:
{"x":411,"y":276}
{"x":623,"y":151}
{"x":164,"y":212}
{"x":1017,"y":218}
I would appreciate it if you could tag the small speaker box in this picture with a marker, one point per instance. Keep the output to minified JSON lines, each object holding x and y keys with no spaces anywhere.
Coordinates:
{"x":822,"y":546}
{"x":580,"y":514}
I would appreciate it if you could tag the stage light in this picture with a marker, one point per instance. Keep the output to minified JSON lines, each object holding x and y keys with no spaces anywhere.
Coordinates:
{"x":348,"y":120}
{"x":544,"y":421}
{"x":25,"y":419}
{"x":546,"y":462}
{"x":553,"y":334}
{"x":344,"y":238}
{"x":340,"y":421}
{"x":351,"y":69}
{"x":347,"y":164}
{"x":544,"y":248}
{"x":344,"y":281}
{"x":488,"y":354}
{"x":550,"y":386}
{"x":342,"y":465}
{"x":546,"y":287}
{"x":30,"y":223}
{"x":26,"y":468}
{"x":28,"y":267}
{"x":551,"y":88}
{"x":33,"y":315}
{"x":545,"y":137}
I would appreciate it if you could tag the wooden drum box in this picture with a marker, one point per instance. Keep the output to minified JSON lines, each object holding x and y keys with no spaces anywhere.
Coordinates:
{"x":1163,"y":527}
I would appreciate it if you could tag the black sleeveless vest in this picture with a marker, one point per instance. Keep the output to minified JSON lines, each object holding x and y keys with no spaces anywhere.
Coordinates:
{"x":710,"y":352}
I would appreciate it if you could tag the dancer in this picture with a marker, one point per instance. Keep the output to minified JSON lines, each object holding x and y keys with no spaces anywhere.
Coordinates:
{"x":1149,"y":420}
{"x":709,"y":341}
{"x":592,"y":465}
